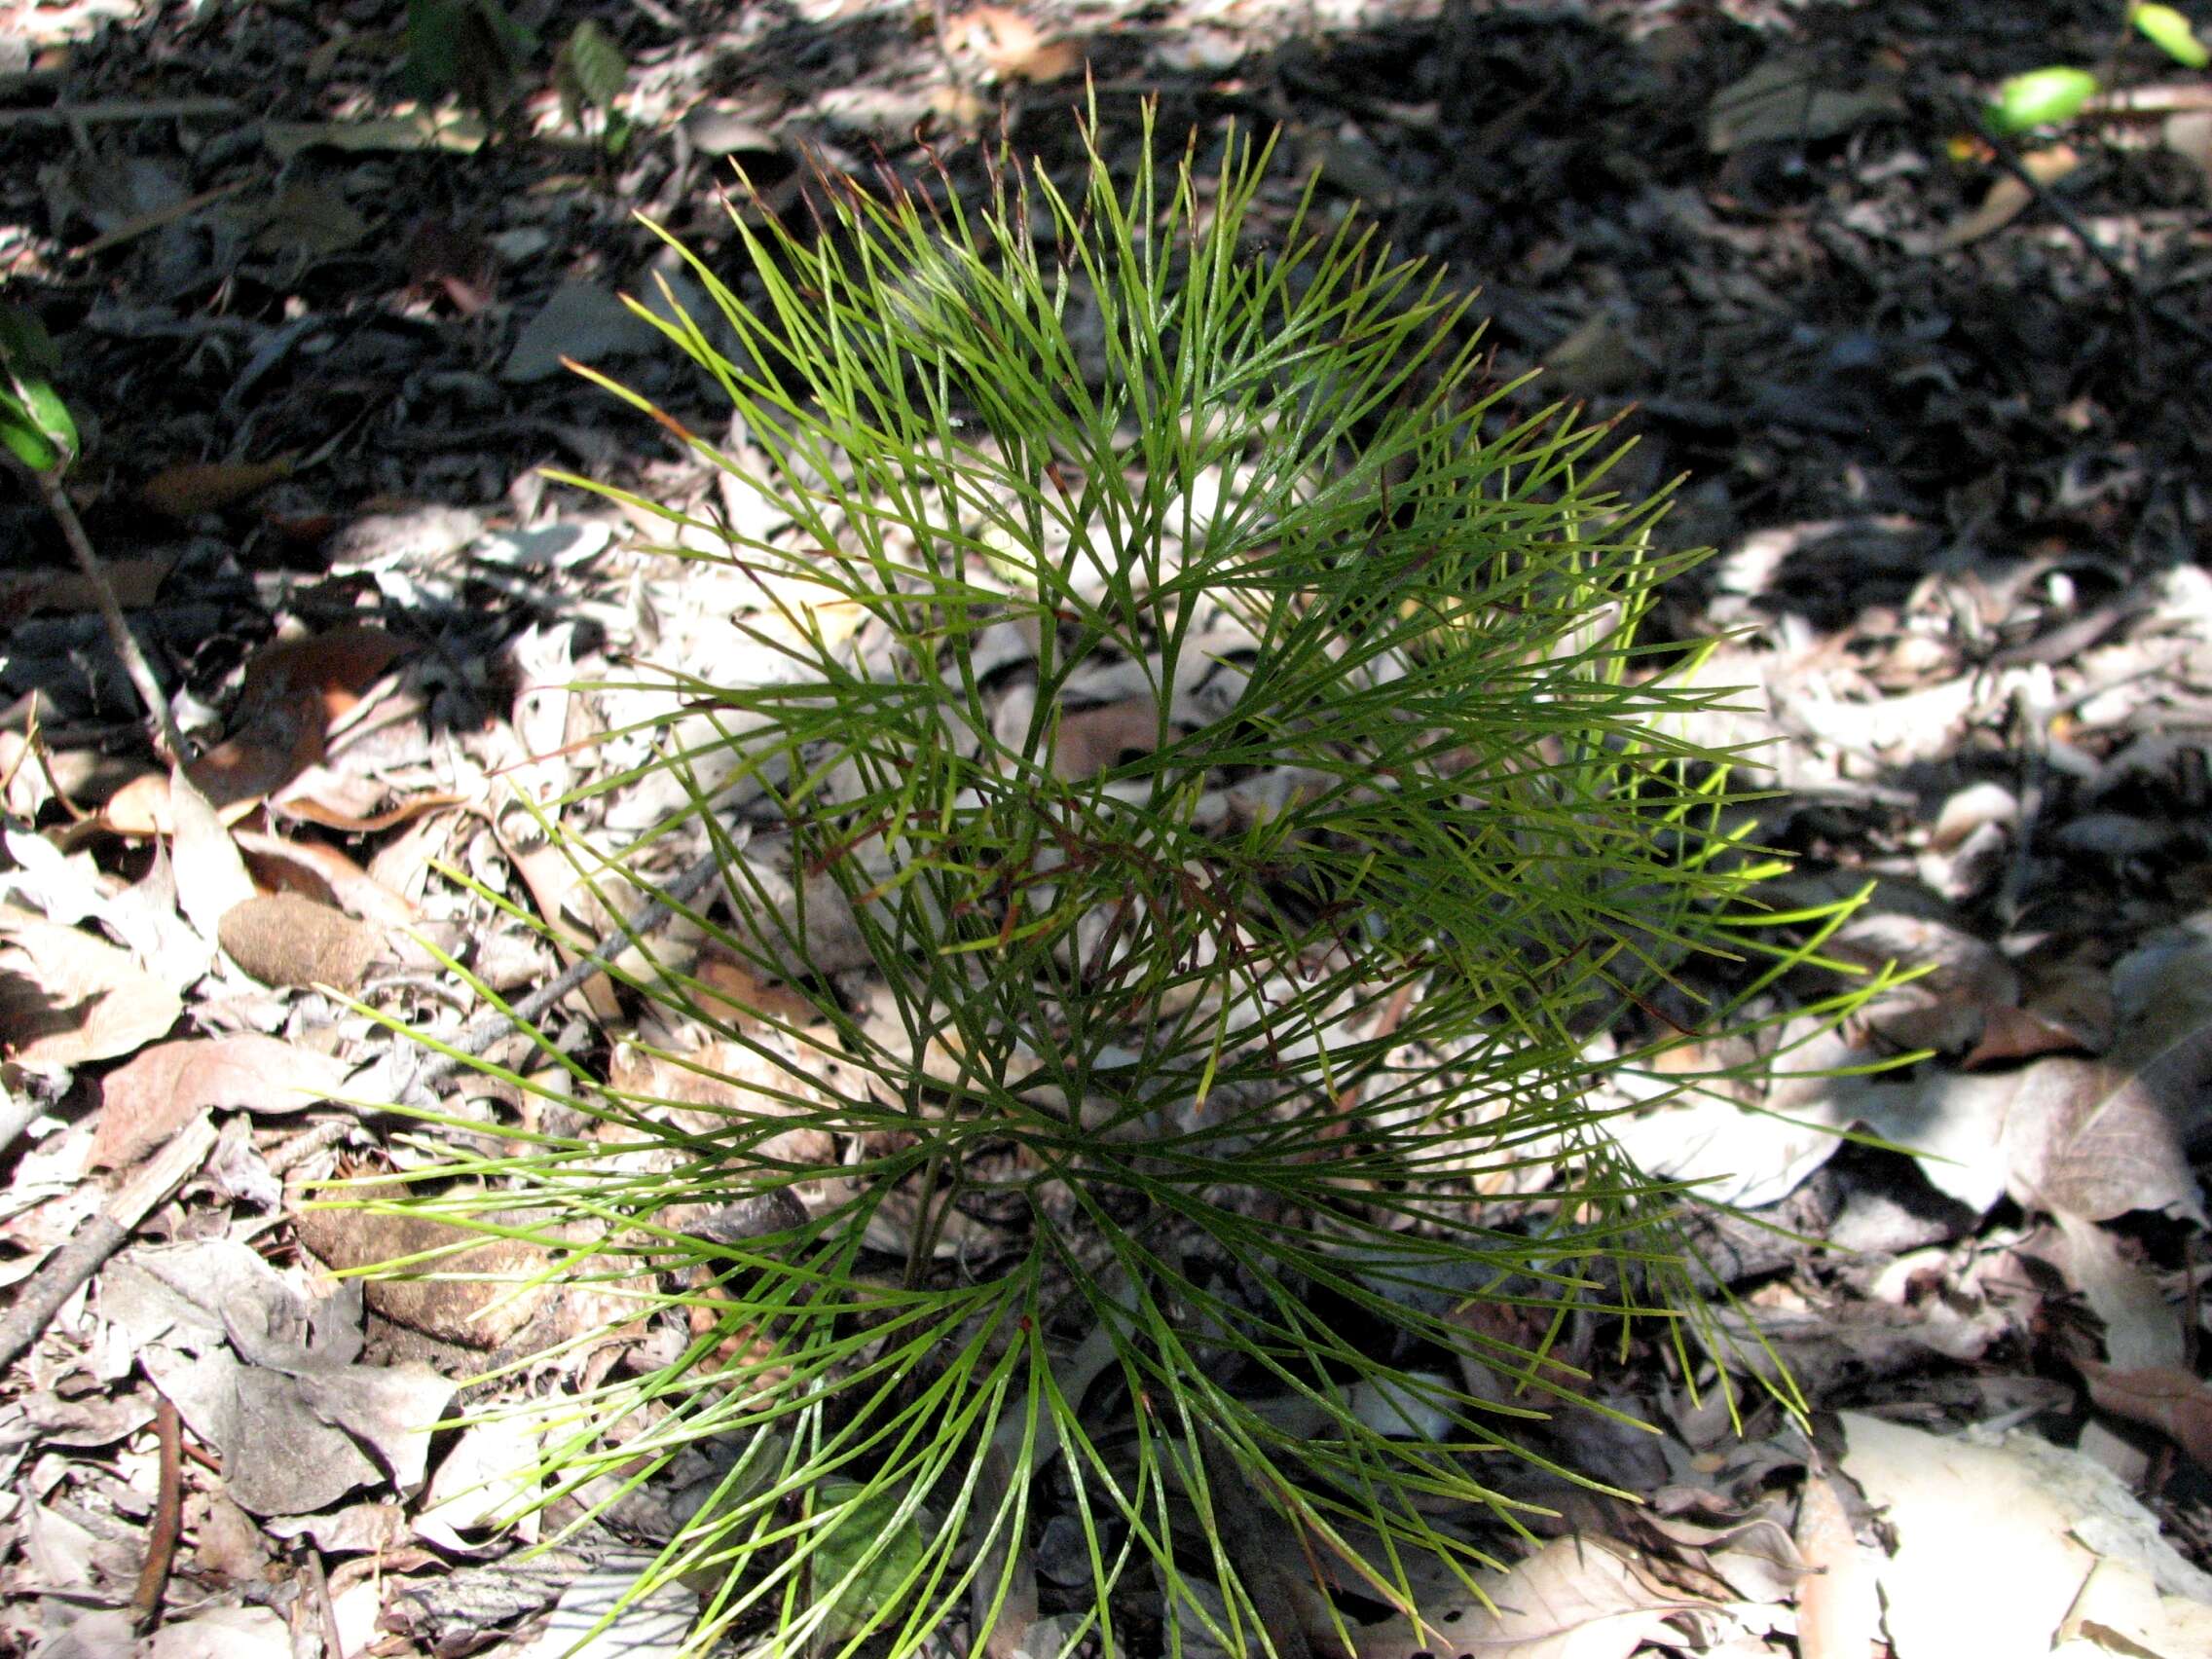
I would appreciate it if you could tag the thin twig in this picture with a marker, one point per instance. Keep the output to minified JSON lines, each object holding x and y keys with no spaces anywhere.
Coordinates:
{"x":168,"y":1517}
{"x":318,"y":1586}
{"x":117,"y":109}
{"x":2131,"y":291}
{"x":148,"y":223}
{"x":167,"y":740}
{"x":2034,"y":769}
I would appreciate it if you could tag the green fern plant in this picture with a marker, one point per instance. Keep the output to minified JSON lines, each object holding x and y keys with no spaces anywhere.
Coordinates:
{"x":1231,"y":1029}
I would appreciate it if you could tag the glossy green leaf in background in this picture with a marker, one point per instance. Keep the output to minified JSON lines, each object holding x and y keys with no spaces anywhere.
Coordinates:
{"x":2041,"y":97}
{"x":35,"y":425}
{"x":2170,"y":32}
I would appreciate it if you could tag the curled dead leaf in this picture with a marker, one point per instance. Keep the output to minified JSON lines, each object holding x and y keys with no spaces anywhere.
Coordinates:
{"x":293,"y":690}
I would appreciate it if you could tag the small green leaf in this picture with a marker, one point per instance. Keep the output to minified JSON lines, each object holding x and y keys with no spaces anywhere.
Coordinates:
{"x":2170,"y":32}
{"x":2040,"y":98}
{"x":591,"y":74}
{"x":601,"y":68}
{"x":859,"y":1522}
{"x":35,"y":425}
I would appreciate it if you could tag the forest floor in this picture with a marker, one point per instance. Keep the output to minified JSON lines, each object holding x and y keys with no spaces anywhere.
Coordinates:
{"x":1947,"y":429}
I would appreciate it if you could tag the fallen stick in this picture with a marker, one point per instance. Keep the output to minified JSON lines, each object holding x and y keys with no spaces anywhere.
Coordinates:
{"x":102,"y":1236}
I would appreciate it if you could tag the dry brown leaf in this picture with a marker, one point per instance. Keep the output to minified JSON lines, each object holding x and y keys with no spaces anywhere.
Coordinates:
{"x":471,"y":1290}
{"x":146,"y":1102}
{"x":2007,"y":197}
{"x":318,"y":870}
{"x":1574,"y":1599}
{"x":2011,"y":1033}
{"x":337,"y":668}
{"x":282,"y":938}
{"x":135,"y":583}
{"x":2098,"y":1138}
{"x":1012,"y":47}
{"x":1839,"y":1608}
{"x":210,"y":872}
{"x":139,"y":1113}
{"x":726,"y":1084}
{"x":735,"y":993}
{"x":322,"y":792}
{"x":67,"y":998}
{"x":140,"y":808}
{"x":293,"y":690}
{"x":314,"y":809}
{"x":1093,"y":740}
{"x":241,"y":771}
{"x":201,"y":487}
{"x":481,"y":1312}
{"x":2175,"y":1402}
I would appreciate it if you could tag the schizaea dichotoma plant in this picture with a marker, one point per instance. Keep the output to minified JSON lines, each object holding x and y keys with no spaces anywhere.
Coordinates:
{"x":1162,"y":1066}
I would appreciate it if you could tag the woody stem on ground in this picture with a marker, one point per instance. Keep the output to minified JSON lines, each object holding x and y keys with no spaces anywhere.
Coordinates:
{"x":168,"y":742}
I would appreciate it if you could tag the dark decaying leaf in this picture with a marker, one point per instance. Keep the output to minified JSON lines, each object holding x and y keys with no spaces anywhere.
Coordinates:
{"x":191,"y":488}
{"x":2176,"y":1402}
